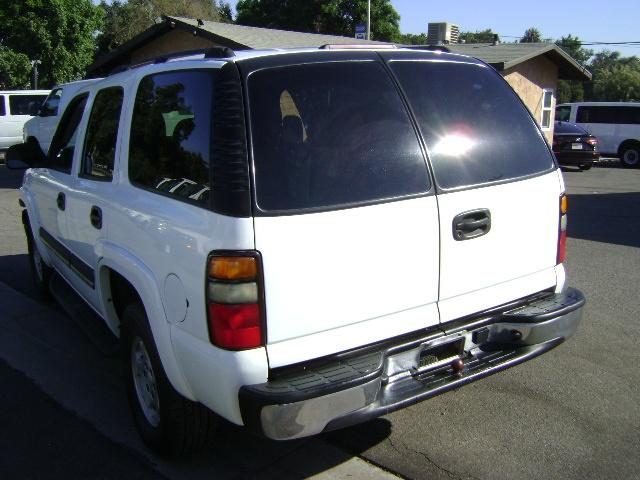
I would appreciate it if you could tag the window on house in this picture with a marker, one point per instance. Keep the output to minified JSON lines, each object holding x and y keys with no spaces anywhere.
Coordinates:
{"x":547,"y":106}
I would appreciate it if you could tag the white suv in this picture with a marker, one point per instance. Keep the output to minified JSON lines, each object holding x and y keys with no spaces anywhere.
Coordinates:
{"x":380,"y":226}
{"x":16,"y":107}
{"x":43,"y":125}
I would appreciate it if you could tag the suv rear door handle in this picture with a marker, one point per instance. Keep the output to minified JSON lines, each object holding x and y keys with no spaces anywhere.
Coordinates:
{"x":60,"y":201}
{"x":471,"y":224}
{"x":96,"y":217}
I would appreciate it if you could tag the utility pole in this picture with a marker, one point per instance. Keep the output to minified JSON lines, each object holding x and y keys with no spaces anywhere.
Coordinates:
{"x":369,"y":20}
{"x":34,"y":74}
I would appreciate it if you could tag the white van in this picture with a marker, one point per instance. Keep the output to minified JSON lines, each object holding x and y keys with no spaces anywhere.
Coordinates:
{"x":615,"y":124}
{"x":42,"y":126}
{"x":16,"y":107}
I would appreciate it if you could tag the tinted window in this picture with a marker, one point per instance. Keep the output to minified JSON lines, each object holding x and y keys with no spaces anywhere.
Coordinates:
{"x":102,"y":133}
{"x":608,"y":114}
{"x":50,"y":106}
{"x":25,"y":104}
{"x":171,"y":132}
{"x":563,"y":113}
{"x":2,"y":111}
{"x":476,"y":129}
{"x":64,"y":140}
{"x":331,"y":134}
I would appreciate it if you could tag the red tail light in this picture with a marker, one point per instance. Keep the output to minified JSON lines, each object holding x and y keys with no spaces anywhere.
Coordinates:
{"x":592,"y":141}
{"x":562,"y":230}
{"x":235,"y":303}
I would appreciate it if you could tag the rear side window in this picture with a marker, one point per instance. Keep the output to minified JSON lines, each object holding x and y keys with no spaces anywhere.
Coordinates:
{"x":25,"y":104}
{"x":475,"y":128}
{"x":331,"y":134}
{"x":608,"y":114}
{"x":102,"y":133}
{"x":2,"y":110}
{"x":169,"y":147}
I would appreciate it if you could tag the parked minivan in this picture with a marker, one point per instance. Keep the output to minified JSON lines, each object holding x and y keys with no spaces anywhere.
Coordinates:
{"x":44,"y":124}
{"x":16,"y":107}
{"x":615,"y":124}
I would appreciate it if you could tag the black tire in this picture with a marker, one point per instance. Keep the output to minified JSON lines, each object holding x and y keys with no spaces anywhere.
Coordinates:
{"x":174,"y":425}
{"x":40,"y":271}
{"x":630,"y":156}
{"x":586,"y":166}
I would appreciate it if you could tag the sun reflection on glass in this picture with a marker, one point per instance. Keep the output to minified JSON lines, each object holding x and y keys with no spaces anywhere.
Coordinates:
{"x":453,"y":145}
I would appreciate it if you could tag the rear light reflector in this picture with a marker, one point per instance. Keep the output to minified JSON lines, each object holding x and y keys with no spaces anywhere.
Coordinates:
{"x":235,"y":302}
{"x":562,"y":231}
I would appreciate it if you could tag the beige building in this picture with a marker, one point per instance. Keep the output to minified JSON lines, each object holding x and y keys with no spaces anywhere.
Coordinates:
{"x":532,"y":69}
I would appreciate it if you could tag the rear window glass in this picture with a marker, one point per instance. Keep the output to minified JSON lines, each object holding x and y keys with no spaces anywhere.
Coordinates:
{"x":331,"y":134}
{"x":475,"y":128}
{"x":25,"y":104}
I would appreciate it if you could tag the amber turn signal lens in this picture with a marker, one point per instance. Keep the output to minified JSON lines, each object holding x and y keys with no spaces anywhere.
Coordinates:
{"x":563,"y":204}
{"x":233,"y":268}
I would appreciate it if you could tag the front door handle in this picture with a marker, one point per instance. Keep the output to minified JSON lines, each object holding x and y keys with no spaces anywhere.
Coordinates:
{"x":471,"y":224}
{"x":96,"y":217}
{"x":60,"y":201}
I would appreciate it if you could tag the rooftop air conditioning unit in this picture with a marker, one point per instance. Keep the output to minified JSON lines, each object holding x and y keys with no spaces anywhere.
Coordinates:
{"x":442,"y":32}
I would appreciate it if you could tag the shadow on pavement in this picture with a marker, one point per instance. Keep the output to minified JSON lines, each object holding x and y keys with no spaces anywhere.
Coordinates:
{"x":10,"y":178}
{"x":16,"y":272}
{"x":608,"y":218}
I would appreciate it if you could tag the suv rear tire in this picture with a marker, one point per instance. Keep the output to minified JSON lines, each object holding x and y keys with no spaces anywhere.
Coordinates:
{"x":630,"y":156}
{"x":168,"y":423}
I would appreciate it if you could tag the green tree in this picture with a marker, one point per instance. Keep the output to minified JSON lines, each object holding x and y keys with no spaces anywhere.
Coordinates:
{"x":333,"y":17}
{"x":479,"y":36}
{"x":531,"y":35}
{"x":573,"y":46}
{"x":124,"y":20}
{"x":15,"y":69}
{"x":59,"y":33}
{"x":621,"y":82}
{"x":412,"y":39}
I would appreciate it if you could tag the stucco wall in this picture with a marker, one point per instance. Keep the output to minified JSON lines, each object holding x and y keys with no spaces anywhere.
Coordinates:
{"x":173,"y":41}
{"x":528,"y":79}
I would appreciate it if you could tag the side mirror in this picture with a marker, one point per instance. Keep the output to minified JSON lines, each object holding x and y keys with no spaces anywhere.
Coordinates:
{"x":24,"y":155}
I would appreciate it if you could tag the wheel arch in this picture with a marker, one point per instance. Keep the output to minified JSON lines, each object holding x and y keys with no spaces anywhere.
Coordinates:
{"x":124,"y":278}
{"x":630,"y":142}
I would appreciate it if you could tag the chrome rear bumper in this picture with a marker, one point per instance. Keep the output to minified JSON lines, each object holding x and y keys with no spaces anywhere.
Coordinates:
{"x":356,"y":386}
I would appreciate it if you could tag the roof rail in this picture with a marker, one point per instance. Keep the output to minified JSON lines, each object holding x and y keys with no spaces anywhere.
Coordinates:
{"x":433,"y":48}
{"x":211,"y":52}
{"x":346,"y":46}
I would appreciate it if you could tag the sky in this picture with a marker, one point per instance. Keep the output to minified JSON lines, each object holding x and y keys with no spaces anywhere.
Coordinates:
{"x":590,"y":20}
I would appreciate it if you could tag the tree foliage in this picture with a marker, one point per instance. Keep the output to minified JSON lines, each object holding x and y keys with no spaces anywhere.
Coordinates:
{"x":59,"y":33}
{"x":123,"y":20}
{"x":412,"y":39}
{"x":479,"y":36}
{"x":531,"y":35}
{"x":573,"y":46}
{"x":332,"y":17}
{"x":15,"y":69}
